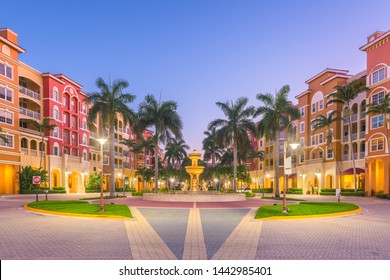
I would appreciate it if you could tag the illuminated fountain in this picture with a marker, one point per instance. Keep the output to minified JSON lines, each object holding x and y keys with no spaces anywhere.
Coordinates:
{"x":194,"y":170}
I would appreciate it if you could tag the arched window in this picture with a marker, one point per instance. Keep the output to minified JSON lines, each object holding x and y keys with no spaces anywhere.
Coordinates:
{"x":56,"y":113}
{"x":56,"y":149}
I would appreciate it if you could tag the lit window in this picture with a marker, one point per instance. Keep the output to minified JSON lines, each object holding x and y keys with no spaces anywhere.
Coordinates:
{"x":378,"y":75}
{"x":376,"y":122}
{"x":377,"y":144}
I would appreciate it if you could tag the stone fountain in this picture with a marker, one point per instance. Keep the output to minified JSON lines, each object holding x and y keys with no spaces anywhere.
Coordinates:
{"x":194,"y":170}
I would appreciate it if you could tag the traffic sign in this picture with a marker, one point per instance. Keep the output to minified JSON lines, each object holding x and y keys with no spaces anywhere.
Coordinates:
{"x":36,"y":180}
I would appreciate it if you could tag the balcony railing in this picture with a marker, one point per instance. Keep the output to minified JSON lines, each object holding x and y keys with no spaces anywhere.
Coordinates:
{"x":24,"y":151}
{"x":118,"y":154}
{"x":362,"y":134}
{"x":345,"y":138}
{"x":314,"y":160}
{"x":30,"y":93}
{"x":362,"y":154}
{"x":74,"y":158}
{"x":345,"y":157}
{"x":354,"y":136}
{"x":30,"y":113}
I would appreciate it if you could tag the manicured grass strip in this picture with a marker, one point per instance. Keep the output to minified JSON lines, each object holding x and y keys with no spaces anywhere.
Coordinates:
{"x":104,"y":197}
{"x":81,"y":207}
{"x":305,"y":209}
{"x":281,"y":198}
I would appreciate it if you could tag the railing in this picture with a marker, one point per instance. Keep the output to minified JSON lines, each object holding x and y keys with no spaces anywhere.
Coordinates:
{"x":362,"y":154}
{"x":30,"y":113}
{"x":355,"y":155}
{"x":354,"y":117}
{"x":345,"y":138}
{"x":118,"y":154}
{"x":33,"y":153}
{"x":74,"y":158}
{"x":118,"y":166}
{"x":30,"y":93}
{"x":24,"y":151}
{"x":362,"y":134}
{"x":354,"y":136}
{"x":345,"y":157}
{"x":314,"y":160}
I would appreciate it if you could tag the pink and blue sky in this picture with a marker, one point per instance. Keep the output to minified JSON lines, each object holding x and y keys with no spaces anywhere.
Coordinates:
{"x":195,"y":52}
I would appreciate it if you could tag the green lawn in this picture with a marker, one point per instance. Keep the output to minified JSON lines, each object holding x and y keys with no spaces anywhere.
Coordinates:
{"x":281,"y":198}
{"x":305,"y":208}
{"x":81,"y":207}
{"x":104,"y":197}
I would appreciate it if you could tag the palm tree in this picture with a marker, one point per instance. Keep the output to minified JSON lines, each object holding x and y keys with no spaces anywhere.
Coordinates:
{"x":276,"y":114}
{"x":211,"y":146}
{"x":175,"y":152}
{"x":2,"y":137}
{"x":345,"y":96}
{"x":165,"y":120}
{"x":234,"y":129}
{"x":257,"y":156}
{"x":321,"y":122}
{"x":382,"y":108}
{"x":43,"y":128}
{"x":108,"y":103}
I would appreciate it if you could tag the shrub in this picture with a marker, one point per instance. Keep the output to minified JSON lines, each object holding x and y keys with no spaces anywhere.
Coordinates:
{"x":294,"y":191}
{"x":266,"y":190}
{"x":248,"y":194}
{"x":93,"y":183}
{"x":382,"y":195}
{"x":137,"y":193}
{"x":164,"y":190}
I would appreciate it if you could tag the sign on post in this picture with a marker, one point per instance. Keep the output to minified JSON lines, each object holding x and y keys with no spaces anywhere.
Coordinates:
{"x":36,"y":180}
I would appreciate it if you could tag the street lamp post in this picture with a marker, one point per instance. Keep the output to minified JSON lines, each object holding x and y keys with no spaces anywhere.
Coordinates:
{"x":101,"y":141}
{"x":285,"y":210}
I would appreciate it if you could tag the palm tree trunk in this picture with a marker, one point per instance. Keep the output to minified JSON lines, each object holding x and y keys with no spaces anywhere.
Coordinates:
{"x":41,"y":154}
{"x":213,"y":158}
{"x":112,"y":159}
{"x":235,"y":166}
{"x":276,"y":164}
{"x":351,"y":147}
{"x":156,"y":163}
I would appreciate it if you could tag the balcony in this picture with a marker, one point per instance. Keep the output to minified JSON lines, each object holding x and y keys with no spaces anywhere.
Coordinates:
{"x":24,"y":151}
{"x":314,"y":161}
{"x":354,"y":117}
{"x":345,"y":157}
{"x":362,"y":134}
{"x":354,"y":136}
{"x":30,"y":113}
{"x":74,"y":158}
{"x":30,"y":93}
{"x":118,"y":154}
{"x":362,"y":154}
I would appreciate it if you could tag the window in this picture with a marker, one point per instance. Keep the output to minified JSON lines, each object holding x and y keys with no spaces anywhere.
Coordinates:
{"x":313,"y":125}
{"x":65,"y":119}
{"x":6,"y":117}
{"x":302,"y":111}
{"x":320,"y":154}
{"x":72,"y":105}
{"x":313,"y":156}
{"x":377,"y":144}
{"x":56,"y":132}
{"x":73,"y":139}
{"x":313,"y":140}
{"x":85,"y":157}
{"x":10,"y":141}
{"x":56,"y":113}
{"x":261,"y":143}
{"x":6,"y":94}
{"x":85,"y":124}
{"x":302,"y":127}
{"x":378,"y":75}
{"x":65,"y":134}
{"x":329,"y":153}
{"x":84,"y":108}
{"x":321,"y":104}
{"x":55,"y":94}
{"x":85,"y":140}
{"x":65,"y":151}
{"x":65,"y":101}
{"x":313,"y":108}
{"x":6,"y":70}
{"x":376,"y":122}
{"x":377,"y":98}
{"x":56,"y":150}
{"x":73,"y":122}
{"x":302,"y":142}
{"x":320,"y":138}
{"x":301,"y":157}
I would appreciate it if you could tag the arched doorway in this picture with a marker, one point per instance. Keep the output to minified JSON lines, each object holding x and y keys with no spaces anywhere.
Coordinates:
{"x":73,"y":182}
{"x":377,"y":176}
{"x":56,"y":178}
{"x":329,"y":182}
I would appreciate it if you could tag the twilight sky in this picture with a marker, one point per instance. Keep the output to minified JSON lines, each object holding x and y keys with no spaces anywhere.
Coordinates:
{"x":195,"y":52}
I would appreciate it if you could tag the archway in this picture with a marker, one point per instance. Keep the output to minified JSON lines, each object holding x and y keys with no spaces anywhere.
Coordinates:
{"x":377,"y":176}
{"x":329,"y":182}
{"x":56,"y":178}
{"x":73,"y":182}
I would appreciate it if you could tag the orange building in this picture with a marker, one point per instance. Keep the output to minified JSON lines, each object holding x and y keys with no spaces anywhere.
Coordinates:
{"x":378,"y":81}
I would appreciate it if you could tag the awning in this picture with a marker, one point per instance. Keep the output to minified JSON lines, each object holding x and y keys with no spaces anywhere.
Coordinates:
{"x":292,"y":176}
{"x":349,"y":171}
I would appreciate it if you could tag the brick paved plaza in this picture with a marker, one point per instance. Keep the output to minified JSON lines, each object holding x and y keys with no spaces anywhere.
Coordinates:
{"x":162,"y":230}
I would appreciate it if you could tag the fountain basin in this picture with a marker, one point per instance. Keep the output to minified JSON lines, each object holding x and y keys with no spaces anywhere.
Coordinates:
{"x":194,"y":197}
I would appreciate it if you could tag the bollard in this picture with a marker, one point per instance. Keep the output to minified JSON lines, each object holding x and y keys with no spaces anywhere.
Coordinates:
{"x":46,"y":192}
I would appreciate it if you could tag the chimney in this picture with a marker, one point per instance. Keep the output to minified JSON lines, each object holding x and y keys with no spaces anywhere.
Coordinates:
{"x":9,"y":35}
{"x":374,"y":36}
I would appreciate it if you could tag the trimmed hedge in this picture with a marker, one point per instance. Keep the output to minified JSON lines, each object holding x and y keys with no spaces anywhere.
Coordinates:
{"x":137,"y":193}
{"x":294,"y":191}
{"x":266,"y":190}
{"x":383,"y":196}
{"x":344,"y":192}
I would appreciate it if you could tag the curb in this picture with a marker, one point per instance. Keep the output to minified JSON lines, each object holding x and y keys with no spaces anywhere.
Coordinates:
{"x":27,"y":208}
{"x":313,"y":216}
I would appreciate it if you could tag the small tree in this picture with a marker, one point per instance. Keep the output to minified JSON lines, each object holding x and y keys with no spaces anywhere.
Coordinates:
{"x":94,"y":182}
{"x":25,"y":177}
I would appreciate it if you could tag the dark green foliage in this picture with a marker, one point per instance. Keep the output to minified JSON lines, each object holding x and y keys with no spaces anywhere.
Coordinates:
{"x":266,"y":190}
{"x":25,"y":177}
{"x":294,"y":191}
{"x":93,"y":183}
